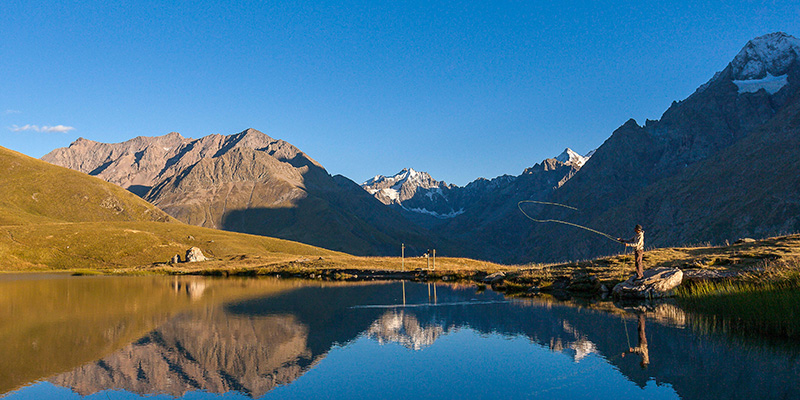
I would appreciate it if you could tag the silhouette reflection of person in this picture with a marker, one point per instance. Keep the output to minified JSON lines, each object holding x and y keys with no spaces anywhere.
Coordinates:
{"x":642,"y":348}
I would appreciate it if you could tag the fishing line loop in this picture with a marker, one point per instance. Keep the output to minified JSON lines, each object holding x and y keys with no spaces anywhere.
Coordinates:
{"x":519,"y":205}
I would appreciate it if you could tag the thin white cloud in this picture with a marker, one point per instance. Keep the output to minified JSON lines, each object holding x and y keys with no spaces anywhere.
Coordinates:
{"x":13,"y":112}
{"x":45,"y":128}
{"x":24,"y":128}
{"x":57,"y":128}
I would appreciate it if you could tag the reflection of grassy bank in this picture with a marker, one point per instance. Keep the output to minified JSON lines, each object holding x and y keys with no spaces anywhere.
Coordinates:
{"x":55,"y":323}
{"x":766,"y":302}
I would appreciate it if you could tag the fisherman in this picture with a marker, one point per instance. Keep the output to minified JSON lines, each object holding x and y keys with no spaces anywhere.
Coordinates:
{"x":637,"y":242}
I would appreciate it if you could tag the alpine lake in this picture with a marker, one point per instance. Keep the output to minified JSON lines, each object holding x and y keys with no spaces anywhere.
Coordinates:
{"x":164,"y":337}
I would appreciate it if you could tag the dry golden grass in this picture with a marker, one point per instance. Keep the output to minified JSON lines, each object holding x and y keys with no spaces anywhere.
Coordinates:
{"x":731,"y":260}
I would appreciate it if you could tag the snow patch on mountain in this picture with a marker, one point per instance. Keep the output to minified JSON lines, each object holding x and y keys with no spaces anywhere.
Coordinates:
{"x":403,"y":185}
{"x":451,"y":214}
{"x":390,"y":193}
{"x":771,"y":54}
{"x":772,"y":84}
{"x":407,"y":174}
{"x":570,"y":156}
{"x":433,"y":192}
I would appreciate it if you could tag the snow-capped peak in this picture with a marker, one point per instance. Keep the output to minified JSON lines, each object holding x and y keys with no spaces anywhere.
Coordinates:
{"x":404,"y":175}
{"x":570,"y":156}
{"x":771,"y":54}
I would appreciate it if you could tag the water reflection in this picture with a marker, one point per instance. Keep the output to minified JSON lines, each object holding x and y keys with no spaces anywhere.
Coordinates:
{"x":404,"y":329}
{"x":206,"y":350}
{"x":252,"y":337}
{"x":641,"y":349}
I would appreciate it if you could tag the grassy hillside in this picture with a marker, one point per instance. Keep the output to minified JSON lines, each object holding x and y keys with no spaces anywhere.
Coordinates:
{"x":113,"y":245}
{"x":56,"y":218}
{"x":33,"y":191}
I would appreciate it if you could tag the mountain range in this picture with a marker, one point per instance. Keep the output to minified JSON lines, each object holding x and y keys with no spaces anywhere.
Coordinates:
{"x":717,"y":166}
{"x":431,"y":203}
{"x":251,"y":183}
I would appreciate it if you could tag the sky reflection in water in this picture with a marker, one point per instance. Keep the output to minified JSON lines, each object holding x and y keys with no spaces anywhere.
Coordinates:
{"x":275,"y":339}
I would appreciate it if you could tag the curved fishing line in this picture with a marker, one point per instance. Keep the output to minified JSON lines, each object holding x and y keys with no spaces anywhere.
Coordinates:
{"x":519,"y":205}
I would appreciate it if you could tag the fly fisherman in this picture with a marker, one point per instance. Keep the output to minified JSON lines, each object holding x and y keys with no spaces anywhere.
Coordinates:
{"x":637,"y":242}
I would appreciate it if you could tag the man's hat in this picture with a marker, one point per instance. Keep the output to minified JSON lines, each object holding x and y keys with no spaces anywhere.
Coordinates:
{"x":638,"y":227}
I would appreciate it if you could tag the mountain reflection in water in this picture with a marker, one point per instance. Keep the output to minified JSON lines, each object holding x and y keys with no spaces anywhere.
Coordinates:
{"x":253,"y":336}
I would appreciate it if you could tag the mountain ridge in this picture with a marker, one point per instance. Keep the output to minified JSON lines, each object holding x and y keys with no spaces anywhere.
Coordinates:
{"x":251,"y":183}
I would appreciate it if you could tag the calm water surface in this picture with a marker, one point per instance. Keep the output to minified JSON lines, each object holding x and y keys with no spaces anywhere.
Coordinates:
{"x":198,"y":338}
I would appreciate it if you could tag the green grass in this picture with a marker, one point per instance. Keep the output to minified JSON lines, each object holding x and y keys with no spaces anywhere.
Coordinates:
{"x":762,"y":303}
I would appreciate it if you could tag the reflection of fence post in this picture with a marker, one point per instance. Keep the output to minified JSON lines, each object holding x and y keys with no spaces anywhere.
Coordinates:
{"x":403,"y":256}
{"x":404,"y":293}
{"x":434,"y":260}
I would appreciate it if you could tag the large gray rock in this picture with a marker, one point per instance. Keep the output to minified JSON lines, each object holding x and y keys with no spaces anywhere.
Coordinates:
{"x":657,"y":282}
{"x":195,"y":254}
{"x":495,"y":277}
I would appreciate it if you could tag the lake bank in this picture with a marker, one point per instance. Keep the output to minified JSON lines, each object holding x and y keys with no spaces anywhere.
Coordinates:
{"x":759,"y":262}
{"x":710,"y":272}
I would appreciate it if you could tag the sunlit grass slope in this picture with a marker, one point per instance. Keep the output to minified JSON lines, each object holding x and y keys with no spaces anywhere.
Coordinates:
{"x":56,"y":218}
{"x":33,"y":191}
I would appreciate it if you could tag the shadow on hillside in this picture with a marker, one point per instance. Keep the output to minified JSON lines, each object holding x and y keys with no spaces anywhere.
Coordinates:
{"x":317,"y":222}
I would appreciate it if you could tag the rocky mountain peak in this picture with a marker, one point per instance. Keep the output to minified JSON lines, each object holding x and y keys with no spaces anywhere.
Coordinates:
{"x":249,"y":138}
{"x":405,"y":176}
{"x":771,"y":54}
{"x":570,"y":156}
{"x":400,"y":186}
{"x":81,"y":141}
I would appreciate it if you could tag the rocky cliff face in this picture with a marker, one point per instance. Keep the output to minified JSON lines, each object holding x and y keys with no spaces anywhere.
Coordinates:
{"x":138,"y":164}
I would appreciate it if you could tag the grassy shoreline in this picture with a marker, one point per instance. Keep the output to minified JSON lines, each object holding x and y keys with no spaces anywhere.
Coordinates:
{"x":742,"y":266}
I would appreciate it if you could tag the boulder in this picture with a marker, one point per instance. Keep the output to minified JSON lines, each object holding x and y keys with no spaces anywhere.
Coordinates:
{"x":175,"y":259}
{"x":657,"y":282}
{"x":194,"y":254}
{"x":494,"y":278}
{"x":745,"y":240}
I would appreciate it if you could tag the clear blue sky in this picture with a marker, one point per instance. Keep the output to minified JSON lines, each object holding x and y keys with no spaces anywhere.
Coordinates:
{"x":458,"y":89}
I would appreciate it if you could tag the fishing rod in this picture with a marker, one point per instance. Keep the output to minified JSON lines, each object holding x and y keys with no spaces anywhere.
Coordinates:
{"x":519,"y":205}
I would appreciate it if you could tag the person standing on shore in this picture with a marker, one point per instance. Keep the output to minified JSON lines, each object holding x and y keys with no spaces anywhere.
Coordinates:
{"x":637,"y":242}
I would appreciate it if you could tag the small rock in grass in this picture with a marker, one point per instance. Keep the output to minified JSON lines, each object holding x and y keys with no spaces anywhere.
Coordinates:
{"x":194,"y":254}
